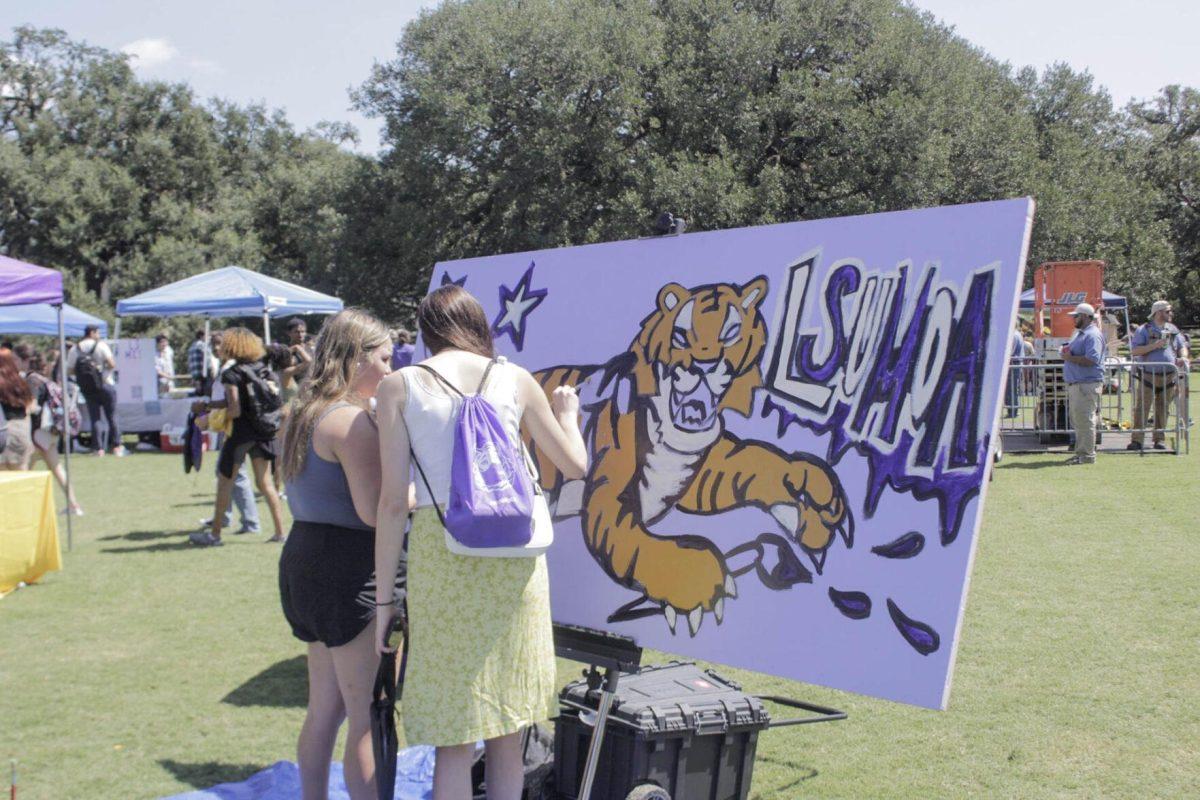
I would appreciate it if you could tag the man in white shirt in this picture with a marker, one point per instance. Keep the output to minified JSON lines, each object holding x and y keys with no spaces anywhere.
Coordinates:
{"x":164,"y":364}
{"x":97,"y":380}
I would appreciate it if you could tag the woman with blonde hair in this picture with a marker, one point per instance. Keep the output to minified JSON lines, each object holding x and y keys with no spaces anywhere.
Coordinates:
{"x":481,"y":658}
{"x":252,"y":403}
{"x":326,"y":574}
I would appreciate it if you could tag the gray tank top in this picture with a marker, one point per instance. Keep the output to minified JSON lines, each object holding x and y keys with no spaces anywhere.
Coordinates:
{"x":321,"y":493}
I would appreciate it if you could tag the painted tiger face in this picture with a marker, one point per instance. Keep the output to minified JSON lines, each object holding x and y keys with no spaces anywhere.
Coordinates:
{"x":705,"y":344}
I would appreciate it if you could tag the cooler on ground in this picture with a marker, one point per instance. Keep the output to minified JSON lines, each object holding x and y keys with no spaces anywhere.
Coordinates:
{"x":674,"y":731}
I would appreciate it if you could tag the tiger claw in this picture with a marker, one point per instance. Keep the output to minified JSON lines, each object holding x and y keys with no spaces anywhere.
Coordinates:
{"x":670,"y":613}
{"x":846,"y":531}
{"x":818,"y":559}
{"x":719,"y":609}
{"x":730,"y":587}
{"x":695,"y":617}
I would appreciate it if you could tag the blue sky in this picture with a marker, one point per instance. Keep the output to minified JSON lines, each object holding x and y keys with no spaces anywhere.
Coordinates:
{"x":303,"y":55}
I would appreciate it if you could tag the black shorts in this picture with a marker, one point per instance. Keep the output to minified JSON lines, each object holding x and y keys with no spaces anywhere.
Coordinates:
{"x":234,"y":452}
{"x":327,"y":582}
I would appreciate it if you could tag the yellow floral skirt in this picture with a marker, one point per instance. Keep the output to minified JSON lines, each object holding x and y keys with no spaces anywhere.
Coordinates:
{"x":481,"y":652}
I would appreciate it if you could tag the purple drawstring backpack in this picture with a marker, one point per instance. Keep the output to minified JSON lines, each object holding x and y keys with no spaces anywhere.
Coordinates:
{"x":495,"y":507}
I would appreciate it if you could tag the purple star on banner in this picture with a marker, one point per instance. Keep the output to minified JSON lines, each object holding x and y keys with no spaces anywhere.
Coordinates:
{"x":447,"y":280}
{"x":515,"y":305}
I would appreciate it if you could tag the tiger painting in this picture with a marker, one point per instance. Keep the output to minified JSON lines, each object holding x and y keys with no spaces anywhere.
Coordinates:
{"x":654,"y":425}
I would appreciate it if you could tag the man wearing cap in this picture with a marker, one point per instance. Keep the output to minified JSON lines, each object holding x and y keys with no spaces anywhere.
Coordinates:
{"x":1158,"y":345}
{"x":1082,"y":360}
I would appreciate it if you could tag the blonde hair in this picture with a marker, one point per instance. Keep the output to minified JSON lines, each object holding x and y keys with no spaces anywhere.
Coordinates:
{"x":341,"y":346}
{"x":242,"y":345}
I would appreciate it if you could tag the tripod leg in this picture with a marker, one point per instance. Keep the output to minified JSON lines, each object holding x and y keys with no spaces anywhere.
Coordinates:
{"x":606,"y":697}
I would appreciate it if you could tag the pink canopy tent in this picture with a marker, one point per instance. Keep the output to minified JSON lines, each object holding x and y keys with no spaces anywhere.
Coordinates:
{"x":23,"y":284}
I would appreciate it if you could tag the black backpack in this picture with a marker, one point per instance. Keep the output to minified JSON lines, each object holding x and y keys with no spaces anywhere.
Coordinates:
{"x":259,"y":397}
{"x":87,"y":374}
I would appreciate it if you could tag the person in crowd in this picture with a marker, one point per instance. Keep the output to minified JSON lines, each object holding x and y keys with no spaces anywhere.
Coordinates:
{"x":330,"y":462}
{"x":197,"y":354}
{"x":481,"y":663}
{"x":1163,"y":352}
{"x":300,"y":345}
{"x":283,"y":363}
{"x":1012,"y":387}
{"x":243,"y":491}
{"x":16,"y":403}
{"x":50,"y":403}
{"x":403,"y":350}
{"x":1083,"y":371}
{"x":92,"y":365}
{"x":252,"y":435}
{"x":297,"y":330}
{"x":164,"y":364}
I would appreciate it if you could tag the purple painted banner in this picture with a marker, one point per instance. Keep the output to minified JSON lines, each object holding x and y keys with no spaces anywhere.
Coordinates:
{"x":791,"y":429}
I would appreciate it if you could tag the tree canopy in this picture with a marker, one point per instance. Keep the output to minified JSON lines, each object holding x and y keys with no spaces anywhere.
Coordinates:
{"x":522,"y":124}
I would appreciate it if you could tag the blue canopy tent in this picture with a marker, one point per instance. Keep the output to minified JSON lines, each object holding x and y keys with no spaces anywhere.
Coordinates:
{"x":1112,"y":303}
{"x":228,"y":292}
{"x":1110,"y":300}
{"x":41,"y":319}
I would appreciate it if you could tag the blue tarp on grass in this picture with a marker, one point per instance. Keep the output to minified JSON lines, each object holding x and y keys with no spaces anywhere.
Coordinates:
{"x":281,"y":781}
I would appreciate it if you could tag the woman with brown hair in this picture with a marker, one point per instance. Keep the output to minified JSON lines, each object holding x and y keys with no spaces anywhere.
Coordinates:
{"x":48,"y":424}
{"x":253,"y":432}
{"x":481,"y":654}
{"x":326,"y":573}
{"x":16,"y":401}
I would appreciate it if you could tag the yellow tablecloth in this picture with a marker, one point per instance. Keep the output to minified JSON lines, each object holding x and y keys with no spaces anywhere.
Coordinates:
{"x":28,"y":528}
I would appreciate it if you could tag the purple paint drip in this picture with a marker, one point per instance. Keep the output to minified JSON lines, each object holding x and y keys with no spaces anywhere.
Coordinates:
{"x":953,"y":484}
{"x":855,"y":605}
{"x":906,"y":546}
{"x":952,"y":489}
{"x":924,"y":639}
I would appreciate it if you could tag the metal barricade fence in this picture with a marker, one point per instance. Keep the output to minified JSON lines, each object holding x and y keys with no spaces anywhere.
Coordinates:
{"x":1035,"y":412}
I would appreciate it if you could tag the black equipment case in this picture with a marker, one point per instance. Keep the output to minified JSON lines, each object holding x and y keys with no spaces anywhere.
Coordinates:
{"x":674,"y":731}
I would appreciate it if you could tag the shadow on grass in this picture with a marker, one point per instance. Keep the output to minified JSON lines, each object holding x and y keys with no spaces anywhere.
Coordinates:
{"x":281,"y":685}
{"x":1032,"y":465}
{"x":803,"y":773}
{"x":207,"y":502}
{"x":210,"y":773}
{"x":142,"y":536}
{"x":179,"y":544}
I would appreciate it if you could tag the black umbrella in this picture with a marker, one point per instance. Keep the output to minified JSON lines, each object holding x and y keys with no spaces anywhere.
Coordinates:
{"x":383,"y":715}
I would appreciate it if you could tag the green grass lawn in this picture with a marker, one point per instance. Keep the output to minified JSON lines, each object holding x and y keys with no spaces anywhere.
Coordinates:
{"x":147,"y":667}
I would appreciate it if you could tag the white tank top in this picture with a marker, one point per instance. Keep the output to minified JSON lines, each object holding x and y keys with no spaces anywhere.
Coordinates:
{"x":431,"y":411}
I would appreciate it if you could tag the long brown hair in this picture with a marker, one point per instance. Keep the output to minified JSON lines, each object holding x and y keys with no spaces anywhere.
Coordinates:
{"x":449,"y":317}
{"x":14,"y":392}
{"x":344,"y":342}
